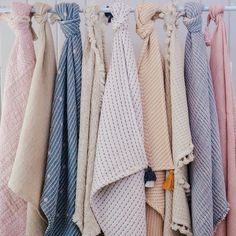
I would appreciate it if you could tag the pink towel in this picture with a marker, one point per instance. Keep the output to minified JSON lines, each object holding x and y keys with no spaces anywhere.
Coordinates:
{"x":17,"y":84}
{"x":220,"y":70}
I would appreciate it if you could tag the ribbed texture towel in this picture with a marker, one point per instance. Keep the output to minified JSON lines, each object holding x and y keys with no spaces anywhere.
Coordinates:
{"x":93,"y":81}
{"x":182,"y":146}
{"x":225,"y":104}
{"x":29,"y":167}
{"x":156,"y":137}
{"x":58,"y":198}
{"x":208,"y":203}
{"x":118,"y":197}
{"x":16,"y":90}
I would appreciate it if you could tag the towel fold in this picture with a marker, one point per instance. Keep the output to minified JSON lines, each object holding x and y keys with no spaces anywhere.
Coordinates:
{"x":16,"y":90}
{"x":118,"y":197}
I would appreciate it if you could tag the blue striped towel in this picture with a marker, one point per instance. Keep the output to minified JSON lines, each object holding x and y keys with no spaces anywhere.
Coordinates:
{"x":208,"y":200}
{"x":58,"y":198}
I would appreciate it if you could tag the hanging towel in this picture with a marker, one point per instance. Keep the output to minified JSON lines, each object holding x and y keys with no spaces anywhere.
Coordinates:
{"x":16,"y":89}
{"x":156,"y":137}
{"x":29,"y":167}
{"x":93,"y":81}
{"x":58,"y":198}
{"x":182,"y":147}
{"x":225,"y":104}
{"x":208,"y":198}
{"x":118,"y":197}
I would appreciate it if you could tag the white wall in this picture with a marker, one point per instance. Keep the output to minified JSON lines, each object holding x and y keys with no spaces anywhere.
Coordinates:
{"x":7,"y":37}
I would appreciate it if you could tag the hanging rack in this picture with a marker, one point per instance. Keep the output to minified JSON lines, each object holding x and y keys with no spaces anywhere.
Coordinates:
{"x":107,"y":9}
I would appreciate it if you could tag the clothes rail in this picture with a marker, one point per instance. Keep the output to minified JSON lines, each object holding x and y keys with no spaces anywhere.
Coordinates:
{"x":107,"y":9}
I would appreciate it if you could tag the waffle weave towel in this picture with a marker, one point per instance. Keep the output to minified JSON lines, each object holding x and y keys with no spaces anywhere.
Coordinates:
{"x":118,"y":197}
{"x":208,"y":203}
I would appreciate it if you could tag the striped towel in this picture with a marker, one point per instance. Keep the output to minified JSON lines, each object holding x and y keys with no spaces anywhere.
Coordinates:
{"x":182,"y":147}
{"x":93,"y":81}
{"x":16,"y":90}
{"x":58,"y":198}
{"x":118,"y":197}
{"x":29,"y":167}
{"x":225,"y":104}
{"x":209,"y":205}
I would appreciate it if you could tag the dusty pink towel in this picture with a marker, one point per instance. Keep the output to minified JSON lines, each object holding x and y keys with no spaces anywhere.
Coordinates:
{"x":17,"y":84}
{"x":220,"y":70}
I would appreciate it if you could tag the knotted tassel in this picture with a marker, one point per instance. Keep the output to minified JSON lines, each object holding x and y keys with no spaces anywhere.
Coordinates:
{"x":149,"y":177}
{"x":169,"y":182}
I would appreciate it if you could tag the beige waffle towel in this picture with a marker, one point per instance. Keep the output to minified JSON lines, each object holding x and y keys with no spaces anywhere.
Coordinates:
{"x":28,"y":171}
{"x":93,"y":81}
{"x":156,"y":138}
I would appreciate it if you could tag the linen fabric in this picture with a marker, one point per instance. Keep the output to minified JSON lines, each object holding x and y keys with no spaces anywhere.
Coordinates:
{"x":156,"y":137}
{"x":225,"y":104}
{"x":182,"y":147}
{"x":16,"y":89}
{"x":28,"y":170}
{"x":93,"y":81}
{"x":208,"y":199}
{"x":118,"y":196}
{"x":58,"y":198}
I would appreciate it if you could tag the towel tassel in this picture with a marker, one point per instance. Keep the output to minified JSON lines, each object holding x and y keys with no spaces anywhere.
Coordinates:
{"x":169,"y":182}
{"x":149,"y":177}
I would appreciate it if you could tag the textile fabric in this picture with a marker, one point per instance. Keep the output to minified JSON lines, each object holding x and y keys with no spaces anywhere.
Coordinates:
{"x":29,"y":167}
{"x":58,"y":198}
{"x":156,"y":137}
{"x":182,"y":147}
{"x":208,"y":198}
{"x":16,"y":90}
{"x":225,"y":104}
{"x":118,"y":196}
{"x":93,"y":81}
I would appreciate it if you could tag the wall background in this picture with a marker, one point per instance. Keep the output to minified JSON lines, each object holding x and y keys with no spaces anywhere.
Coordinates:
{"x":7,"y":36}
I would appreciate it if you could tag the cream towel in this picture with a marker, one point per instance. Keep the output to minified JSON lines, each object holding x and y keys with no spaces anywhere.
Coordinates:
{"x":118,"y":197}
{"x":156,"y":137}
{"x":93,"y":81}
{"x":182,"y":147}
{"x":28,"y":170}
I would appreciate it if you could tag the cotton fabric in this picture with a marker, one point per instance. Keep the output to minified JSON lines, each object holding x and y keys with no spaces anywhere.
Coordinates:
{"x":16,"y":89}
{"x":28,"y":170}
{"x":93,"y":82}
{"x":118,"y":197}
{"x":58,"y":198}
{"x":208,"y":198}
{"x":225,"y":104}
{"x":156,"y":137}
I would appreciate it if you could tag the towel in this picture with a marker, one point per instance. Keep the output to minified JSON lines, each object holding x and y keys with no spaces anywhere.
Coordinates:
{"x":182,"y":147}
{"x":208,"y":198}
{"x":29,"y":167}
{"x":156,"y":137}
{"x":225,"y":104}
{"x":118,"y":197}
{"x":16,"y":90}
{"x":93,"y":81}
{"x":58,"y":198}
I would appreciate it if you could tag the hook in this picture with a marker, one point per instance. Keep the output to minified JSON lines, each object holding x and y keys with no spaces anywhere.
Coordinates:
{"x":108,"y":15}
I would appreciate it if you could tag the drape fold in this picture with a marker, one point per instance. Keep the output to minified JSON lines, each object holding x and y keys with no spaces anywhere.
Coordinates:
{"x":58,"y":198}
{"x":93,"y":82}
{"x":118,"y":197}
{"x":225,"y":104}
{"x":208,"y":199}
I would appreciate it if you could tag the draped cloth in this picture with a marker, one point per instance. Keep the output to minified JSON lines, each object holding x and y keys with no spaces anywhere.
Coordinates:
{"x":118,"y":196}
{"x":93,"y":81}
{"x":28,"y":170}
{"x":16,"y":90}
{"x":58,"y":198}
{"x":156,"y":137}
{"x":182,"y":147}
{"x":208,"y":198}
{"x":225,"y":104}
